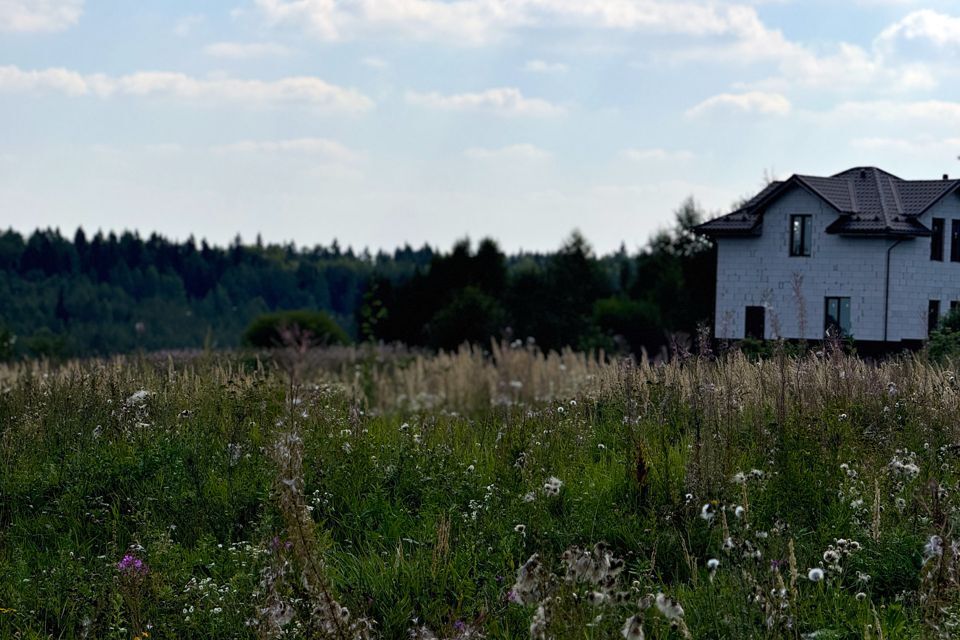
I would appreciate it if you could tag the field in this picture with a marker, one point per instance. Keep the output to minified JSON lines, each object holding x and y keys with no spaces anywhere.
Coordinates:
{"x":375,"y":493}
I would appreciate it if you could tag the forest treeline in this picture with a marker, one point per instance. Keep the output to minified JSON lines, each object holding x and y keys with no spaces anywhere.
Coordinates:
{"x":62,"y":296}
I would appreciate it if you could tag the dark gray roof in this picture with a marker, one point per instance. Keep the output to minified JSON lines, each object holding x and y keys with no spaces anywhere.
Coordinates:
{"x":869,"y":201}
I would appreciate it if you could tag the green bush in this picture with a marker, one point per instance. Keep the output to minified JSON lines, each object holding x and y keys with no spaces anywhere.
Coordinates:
{"x":945,"y":340}
{"x":266,"y":331}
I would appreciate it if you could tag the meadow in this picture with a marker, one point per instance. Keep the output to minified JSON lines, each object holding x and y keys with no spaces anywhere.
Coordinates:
{"x":364,"y":492}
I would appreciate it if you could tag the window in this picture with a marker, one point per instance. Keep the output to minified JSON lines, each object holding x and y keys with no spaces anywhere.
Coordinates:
{"x":936,"y":240}
{"x":953,"y":305}
{"x":755,"y":323}
{"x":801,"y":228}
{"x":933,"y":315}
{"x":836,"y":317}
{"x":955,"y":241}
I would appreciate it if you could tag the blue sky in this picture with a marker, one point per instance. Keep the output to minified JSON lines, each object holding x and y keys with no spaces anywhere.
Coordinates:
{"x":380,"y":122}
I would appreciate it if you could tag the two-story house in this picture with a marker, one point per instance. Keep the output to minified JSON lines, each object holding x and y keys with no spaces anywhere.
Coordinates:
{"x":863,"y":253}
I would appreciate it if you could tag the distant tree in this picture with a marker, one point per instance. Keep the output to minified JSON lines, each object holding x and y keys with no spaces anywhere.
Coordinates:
{"x":268,"y":330}
{"x":471,"y":316}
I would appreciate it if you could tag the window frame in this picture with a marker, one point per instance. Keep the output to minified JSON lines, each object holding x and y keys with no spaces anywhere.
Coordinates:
{"x":933,"y":316}
{"x":827,"y":324}
{"x":955,"y":240}
{"x":936,"y":239}
{"x":805,"y":248}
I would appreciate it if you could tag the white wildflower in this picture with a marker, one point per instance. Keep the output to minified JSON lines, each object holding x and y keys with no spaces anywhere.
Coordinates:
{"x":815,"y":574}
{"x":633,"y":628}
{"x":552,"y":486}
{"x":669,"y":607}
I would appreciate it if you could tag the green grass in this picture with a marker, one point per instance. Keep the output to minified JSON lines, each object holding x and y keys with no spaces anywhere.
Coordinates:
{"x":183,"y":480}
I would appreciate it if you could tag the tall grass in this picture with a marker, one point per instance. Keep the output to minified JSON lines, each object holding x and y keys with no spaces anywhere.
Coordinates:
{"x":384,"y":493}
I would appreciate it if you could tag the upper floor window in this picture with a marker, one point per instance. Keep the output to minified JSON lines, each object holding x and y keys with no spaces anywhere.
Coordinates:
{"x":936,"y":240}
{"x":836,"y":317}
{"x":933,"y":316}
{"x":955,"y":241}
{"x":801,"y":228}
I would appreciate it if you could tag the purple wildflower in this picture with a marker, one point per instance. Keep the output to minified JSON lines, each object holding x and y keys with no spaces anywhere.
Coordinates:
{"x":132,"y":565}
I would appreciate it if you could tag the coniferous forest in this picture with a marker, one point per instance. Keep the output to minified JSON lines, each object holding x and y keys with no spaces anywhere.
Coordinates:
{"x":103,"y":293}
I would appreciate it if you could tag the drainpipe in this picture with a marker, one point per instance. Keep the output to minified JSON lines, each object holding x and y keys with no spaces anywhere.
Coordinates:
{"x":886,"y":293}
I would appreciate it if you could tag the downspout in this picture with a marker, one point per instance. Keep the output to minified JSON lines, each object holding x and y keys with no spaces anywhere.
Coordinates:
{"x":886,"y":293}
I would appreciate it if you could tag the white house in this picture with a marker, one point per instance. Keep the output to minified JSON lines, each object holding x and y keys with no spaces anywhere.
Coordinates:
{"x":862,"y":252}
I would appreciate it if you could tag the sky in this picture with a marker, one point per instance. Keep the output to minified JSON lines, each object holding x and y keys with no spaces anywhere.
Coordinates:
{"x":385,"y":122}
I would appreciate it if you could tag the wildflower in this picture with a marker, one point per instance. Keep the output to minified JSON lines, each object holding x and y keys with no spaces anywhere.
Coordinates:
{"x":712,"y":564}
{"x":131,"y":565}
{"x":521,"y":529}
{"x":669,"y":607}
{"x":861,"y":596}
{"x":552,"y":486}
{"x":529,"y":497}
{"x":815,"y":574}
{"x":633,"y":628}
{"x":739,"y":511}
{"x":739,"y":478}
{"x":933,"y":548}
{"x":470,"y":469}
{"x":138,"y":397}
{"x":538,"y":626}
{"x":708,"y":511}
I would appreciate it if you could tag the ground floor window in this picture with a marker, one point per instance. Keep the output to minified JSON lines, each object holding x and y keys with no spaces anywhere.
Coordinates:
{"x":933,"y":315}
{"x":836,"y":317}
{"x":755,"y":323}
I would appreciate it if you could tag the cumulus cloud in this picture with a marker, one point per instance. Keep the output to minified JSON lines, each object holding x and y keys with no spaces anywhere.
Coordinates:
{"x":523,"y":151}
{"x":657,"y":154}
{"x":507,"y":101}
{"x":927,"y":25}
{"x":39,"y":15}
{"x":542,"y":66}
{"x":305,"y":90}
{"x":245,"y":50}
{"x":757,"y":102}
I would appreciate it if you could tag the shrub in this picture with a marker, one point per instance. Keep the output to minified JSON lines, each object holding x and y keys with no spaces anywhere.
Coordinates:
{"x":266,"y":331}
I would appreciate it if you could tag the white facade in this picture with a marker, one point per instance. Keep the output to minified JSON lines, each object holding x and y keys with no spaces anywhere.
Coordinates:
{"x":759,"y":271}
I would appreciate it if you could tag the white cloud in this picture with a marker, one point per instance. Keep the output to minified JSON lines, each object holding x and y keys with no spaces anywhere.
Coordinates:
{"x":305,"y":90}
{"x":758,"y":102}
{"x":187,"y":24}
{"x":477,"y":21}
{"x":927,"y":146}
{"x":508,"y":101}
{"x":927,"y":25}
{"x":656,"y":154}
{"x":245,"y":50}
{"x":523,"y":151}
{"x":939,"y":113}
{"x":39,"y":15}
{"x":542,"y":66}
{"x":329,"y":149}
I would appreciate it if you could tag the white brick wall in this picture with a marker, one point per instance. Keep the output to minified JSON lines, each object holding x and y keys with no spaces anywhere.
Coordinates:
{"x":759,"y":271}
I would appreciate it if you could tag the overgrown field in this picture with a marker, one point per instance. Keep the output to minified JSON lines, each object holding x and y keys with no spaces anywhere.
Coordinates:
{"x":504,"y":495}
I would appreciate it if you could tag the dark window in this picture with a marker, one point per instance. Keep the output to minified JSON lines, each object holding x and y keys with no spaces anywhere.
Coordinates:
{"x":756,"y":323}
{"x":955,"y":241}
{"x":836,"y":317}
{"x":933,"y":315}
{"x":953,"y":305}
{"x":801,"y":228}
{"x":936,"y":240}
